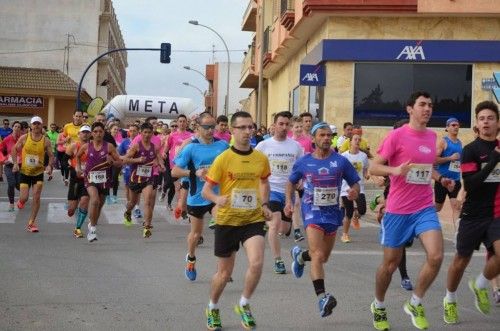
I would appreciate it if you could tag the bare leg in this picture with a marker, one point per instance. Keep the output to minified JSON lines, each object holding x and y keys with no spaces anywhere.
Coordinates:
{"x":390,"y":262}
{"x":254,"y":248}
{"x":225,"y":267}
{"x":433,"y":245}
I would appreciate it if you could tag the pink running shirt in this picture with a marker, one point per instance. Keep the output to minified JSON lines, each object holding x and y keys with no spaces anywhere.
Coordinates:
{"x":305,"y":142}
{"x":418,"y":147}
{"x":174,"y":141}
{"x":226,"y":136}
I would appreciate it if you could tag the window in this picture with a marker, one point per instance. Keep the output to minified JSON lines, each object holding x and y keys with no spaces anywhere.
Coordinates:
{"x":315,"y":103}
{"x":381,"y":91}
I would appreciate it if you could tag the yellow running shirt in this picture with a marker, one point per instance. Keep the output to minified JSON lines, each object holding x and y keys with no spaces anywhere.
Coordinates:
{"x":71,"y":130}
{"x":33,"y":156}
{"x":238,"y":176}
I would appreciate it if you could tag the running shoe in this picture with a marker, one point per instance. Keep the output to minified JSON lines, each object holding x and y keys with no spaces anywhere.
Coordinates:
{"x":496,"y":297}
{"x":184,"y":215}
{"x":297,"y":267}
{"x":77,"y":233}
{"x":417,"y":314}
{"x":355,"y":223}
{"x":190,"y":270}
{"x":108,"y":200}
{"x":169,"y":206}
{"x":20,"y":204}
{"x":91,"y":234}
{"x":345,"y":238}
{"x":379,"y":318}
{"x":211,"y":223}
{"x":161,"y":197}
{"x":406,"y":284}
{"x":31,"y":227}
{"x":279,"y":267}
{"x":177,"y":213}
{"x":246,"y":316}
{"x":146,"y":232}
{"x":71,"y":212}
{"x":66,"y":182}
{"x":127,"y":219}
{"x":213,"y":319}
{"x":114,"y":199}
{"x":137,"y":213}
{"x":481,"y":299}
{"x":11,"y":208}
{"x":200,"y":241}
{"x":450,"y":312}
{"x":297,"y":236}
{"x":326,"y":305}
{"x":374,"y":203}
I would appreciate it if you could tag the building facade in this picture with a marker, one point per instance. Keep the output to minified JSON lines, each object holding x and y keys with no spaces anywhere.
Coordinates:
{"x":358,"y":61}
{"x":65,"y":35}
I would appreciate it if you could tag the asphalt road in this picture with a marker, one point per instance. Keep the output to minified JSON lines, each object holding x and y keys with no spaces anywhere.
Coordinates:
{"x":51,"y":281}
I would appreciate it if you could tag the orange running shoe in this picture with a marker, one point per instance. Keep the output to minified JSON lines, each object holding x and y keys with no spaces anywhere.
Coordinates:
{"x":20,"y":205}
{"x":32,"y":227}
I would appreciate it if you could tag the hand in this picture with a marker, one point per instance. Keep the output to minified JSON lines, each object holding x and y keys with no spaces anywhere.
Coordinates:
{"x":402,"y":169}
{"x":221,"y":200}
{"x":201,"y":173}
{"x":140,"y":159}
{"x":288,"y":210}
{"x":268,"y":214}
{"x":48,"y":170}
{"x":455,"y":157}
{"x":352,"y":194}
{"x":448,"y":183}
{"x":15,"y":167}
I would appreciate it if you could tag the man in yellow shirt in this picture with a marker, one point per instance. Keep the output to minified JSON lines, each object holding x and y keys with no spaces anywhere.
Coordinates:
{"x":243,"y":206}
{"x":33,"y":147}
{"x":363,"y":144}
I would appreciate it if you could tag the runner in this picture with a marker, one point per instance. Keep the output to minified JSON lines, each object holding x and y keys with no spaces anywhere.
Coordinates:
{"x":347,"y":135}
{"x":68,"y":136}
{"x":6,"y":147}
{"x":307,"y":121}
{"x":410,"y":152}
{"x":78,"y":197}
{"x":449,"y":151}
{"x":322,"y":173}
{"x":359,"y":160}
{"x":480,"y":216}
{"x":241,"y":174}
{"x":282,"y":153}
{"x":101,"y":156}
{"x":33,"y":147}
{"x":142,"y":157}
{"x":133,"y":131}
{"x":193,"y":162}
{"x":222,"y":132}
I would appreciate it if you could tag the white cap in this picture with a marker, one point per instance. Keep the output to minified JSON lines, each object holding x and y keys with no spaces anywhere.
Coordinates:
{"x":333,"y":128}
{"x":36,"y":119}
{"x":85,"y":128}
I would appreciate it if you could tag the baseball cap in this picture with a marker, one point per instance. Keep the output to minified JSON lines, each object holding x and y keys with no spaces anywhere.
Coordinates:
{"x":333,"y":128}
{"x":85,"y":128}
{"x":36,"y":119}
{"x":451,"y":120}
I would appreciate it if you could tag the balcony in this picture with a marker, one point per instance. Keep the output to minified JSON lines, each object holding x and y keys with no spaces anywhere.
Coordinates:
{"x":388,"y":6}
{"x":249,"y":76}
{"x":210,"y":72}
{"x":209,"y":102}
{"x":266,"y":44}
{"x":287,"y":13}
{"x":250,"y":17}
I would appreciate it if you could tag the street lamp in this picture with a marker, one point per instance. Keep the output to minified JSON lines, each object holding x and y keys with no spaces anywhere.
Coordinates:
{"x":195,"y":87}
{"x":226,"y":101}
{"x":204,"y":77}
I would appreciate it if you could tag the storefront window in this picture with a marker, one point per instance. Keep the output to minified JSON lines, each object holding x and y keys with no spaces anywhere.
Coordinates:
{"x":315,"y":102}
{"x":381,"y":91}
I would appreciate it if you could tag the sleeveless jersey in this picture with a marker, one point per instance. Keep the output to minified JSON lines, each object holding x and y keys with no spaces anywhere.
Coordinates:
{"x":83,"y":159}
{"x":97,"y":169}
{"x":451,"y":169}
{"x":33,"y":156}
{"x":143,"y":172}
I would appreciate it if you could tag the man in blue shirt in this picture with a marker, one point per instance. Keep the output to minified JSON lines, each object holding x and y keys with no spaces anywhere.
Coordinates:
{"x":321,"y":174}
{"x":193,"y":162}
{"x":6,"y":129}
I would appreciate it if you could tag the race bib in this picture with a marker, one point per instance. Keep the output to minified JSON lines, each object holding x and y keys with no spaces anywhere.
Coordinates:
{"x":31,"y":160}
{"x":420,"y":174}
{"x":454,"y":166}
{"x":494,"y":176}
{"x":325,"y":196}
{"x":98,"y":177}
{"x":144,"y":171}
{"x":280,"y":168}
{"x":244,"y":199}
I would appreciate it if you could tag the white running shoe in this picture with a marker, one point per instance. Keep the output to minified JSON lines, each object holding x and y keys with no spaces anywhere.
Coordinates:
{"x":91,"y":235}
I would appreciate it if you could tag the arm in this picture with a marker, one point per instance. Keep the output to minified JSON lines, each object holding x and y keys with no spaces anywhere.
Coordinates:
{"x":442,"y":145}
{"x":208,"y":193}
{"x":264,"y":189}
{"x":128,"y":158}
{"x":474,"y":181}
{"x":48,"y":150}
{"x":159,"y":160}
{"x":289,"y":192}
{"x":378,"y":167}
{"x":115,"y":160}
{"x":19,"y":146}
{"x":81,"y":151}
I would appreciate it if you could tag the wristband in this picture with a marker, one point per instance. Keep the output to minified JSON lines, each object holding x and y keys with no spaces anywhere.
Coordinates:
{"x":265,"y":204}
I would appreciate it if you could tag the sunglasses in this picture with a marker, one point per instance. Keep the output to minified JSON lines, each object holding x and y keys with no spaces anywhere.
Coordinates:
{"x":244,"y":127}
{"x":207,"y":126}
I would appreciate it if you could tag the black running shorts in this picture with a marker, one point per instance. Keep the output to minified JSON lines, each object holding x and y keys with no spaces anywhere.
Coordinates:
{"x":228,"y":238}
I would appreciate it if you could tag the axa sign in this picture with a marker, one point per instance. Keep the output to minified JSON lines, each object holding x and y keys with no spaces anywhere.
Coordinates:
{"x":412,"y":53}
{"x":312,"y":75}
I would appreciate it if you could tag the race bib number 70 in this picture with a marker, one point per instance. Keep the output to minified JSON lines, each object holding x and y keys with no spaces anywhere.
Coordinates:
{"x":244,"y":199}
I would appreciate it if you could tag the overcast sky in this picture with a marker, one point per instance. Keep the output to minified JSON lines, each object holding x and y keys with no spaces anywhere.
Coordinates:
{"x":148,"y":23}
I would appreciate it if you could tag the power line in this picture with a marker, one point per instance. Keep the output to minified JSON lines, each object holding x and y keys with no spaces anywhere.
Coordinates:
{"x":34,"y":51}
{"x":173,"y":51}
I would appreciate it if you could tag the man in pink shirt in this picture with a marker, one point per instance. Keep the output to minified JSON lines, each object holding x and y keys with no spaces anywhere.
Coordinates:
{"x":221,"y":132}
{"x":299,"y":136}
{"x":407,"y":155}
{"x":176,"y":138}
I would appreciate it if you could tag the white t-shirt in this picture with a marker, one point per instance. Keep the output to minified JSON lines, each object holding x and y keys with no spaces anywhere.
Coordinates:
{"x":360,"y":162}
{"x":282,"y":156}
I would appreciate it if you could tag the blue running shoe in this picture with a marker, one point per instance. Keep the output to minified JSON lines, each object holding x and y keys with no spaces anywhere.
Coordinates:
{"x":297,"y":268}
{"x":406,"y":284}
{"x":137,"y":213}
{"x":279,"y":267}
{"x":326,"y":305}
{"x":108,"y":200}
{"x":190,"y":270}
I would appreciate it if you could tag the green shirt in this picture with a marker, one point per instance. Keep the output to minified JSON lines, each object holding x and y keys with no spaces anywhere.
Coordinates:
{"x":52,"y":135}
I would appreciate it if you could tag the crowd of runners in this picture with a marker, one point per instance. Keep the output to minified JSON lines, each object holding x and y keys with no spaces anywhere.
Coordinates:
{"x":299,"y":175}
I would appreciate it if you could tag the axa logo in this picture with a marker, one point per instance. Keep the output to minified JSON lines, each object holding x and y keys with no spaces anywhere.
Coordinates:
{"x":412,"y":53}
{"x":310,"y":77}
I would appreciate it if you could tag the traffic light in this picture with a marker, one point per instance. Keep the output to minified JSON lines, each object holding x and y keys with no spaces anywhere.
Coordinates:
{"x":165,"y":52}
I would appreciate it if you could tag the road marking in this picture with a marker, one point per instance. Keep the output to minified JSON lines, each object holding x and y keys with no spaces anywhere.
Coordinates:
{"x":481,"y":254}
{"x":113,"y":213}
{"x":57,"y":213}
{"x":6,"y":216}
